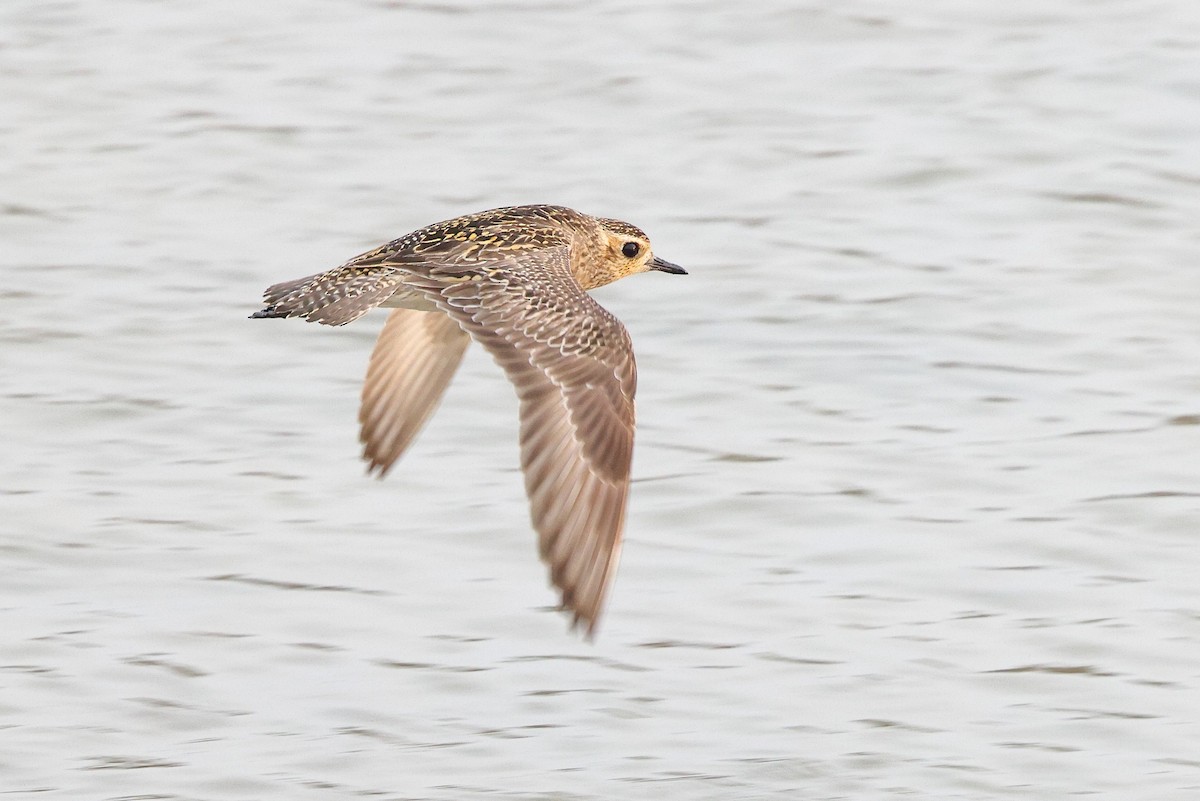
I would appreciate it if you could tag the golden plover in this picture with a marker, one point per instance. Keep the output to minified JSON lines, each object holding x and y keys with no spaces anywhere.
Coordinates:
{"x":514,"y":279}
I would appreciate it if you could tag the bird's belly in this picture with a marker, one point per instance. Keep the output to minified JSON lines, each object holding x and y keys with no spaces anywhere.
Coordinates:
{"x":405,"y":298}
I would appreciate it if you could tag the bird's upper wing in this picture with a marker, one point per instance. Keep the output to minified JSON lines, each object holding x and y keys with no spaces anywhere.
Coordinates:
{"x":415,"y":357}
{"x":573,"y":368}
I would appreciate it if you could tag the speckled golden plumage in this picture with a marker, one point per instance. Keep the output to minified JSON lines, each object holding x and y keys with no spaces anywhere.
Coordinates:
{"x":513,"y":279}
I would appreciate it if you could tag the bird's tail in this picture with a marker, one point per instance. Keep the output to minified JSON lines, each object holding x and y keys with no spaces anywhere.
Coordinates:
{"x":336,"y":297}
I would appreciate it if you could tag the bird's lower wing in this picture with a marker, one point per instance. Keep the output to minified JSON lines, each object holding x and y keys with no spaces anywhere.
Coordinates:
{"x":577,"y":509}
{"x":572,"y":365}
{"x":415,"y":358}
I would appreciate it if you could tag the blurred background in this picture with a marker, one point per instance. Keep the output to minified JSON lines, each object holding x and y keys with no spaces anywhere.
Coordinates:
{"x":917,"y":488}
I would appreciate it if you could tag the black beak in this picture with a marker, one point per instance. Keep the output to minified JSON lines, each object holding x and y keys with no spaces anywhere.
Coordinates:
{"x":666,"y":267}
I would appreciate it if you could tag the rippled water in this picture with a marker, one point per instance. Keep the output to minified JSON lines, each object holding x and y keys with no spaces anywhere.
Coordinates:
{"x":918,"y":489}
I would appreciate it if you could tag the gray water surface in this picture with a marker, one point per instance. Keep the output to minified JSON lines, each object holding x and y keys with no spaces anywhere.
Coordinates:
{"x":917,"y":489}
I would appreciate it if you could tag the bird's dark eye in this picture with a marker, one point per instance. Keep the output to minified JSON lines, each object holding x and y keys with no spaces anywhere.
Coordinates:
{"x":630,"y":249}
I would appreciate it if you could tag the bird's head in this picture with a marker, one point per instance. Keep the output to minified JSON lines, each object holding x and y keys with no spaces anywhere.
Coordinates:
{"x":627,"y":251}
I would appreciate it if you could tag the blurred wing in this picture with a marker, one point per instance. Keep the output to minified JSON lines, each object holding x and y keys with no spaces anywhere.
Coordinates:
{"x":573,"y":368}
{"x":415,"y":357}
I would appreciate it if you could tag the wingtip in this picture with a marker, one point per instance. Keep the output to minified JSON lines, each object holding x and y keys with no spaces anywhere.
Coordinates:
{"x":585,"y":625}
{"x":376,"y":469}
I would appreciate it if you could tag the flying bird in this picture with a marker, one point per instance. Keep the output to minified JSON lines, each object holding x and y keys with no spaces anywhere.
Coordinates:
{"x":515,"y":280}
